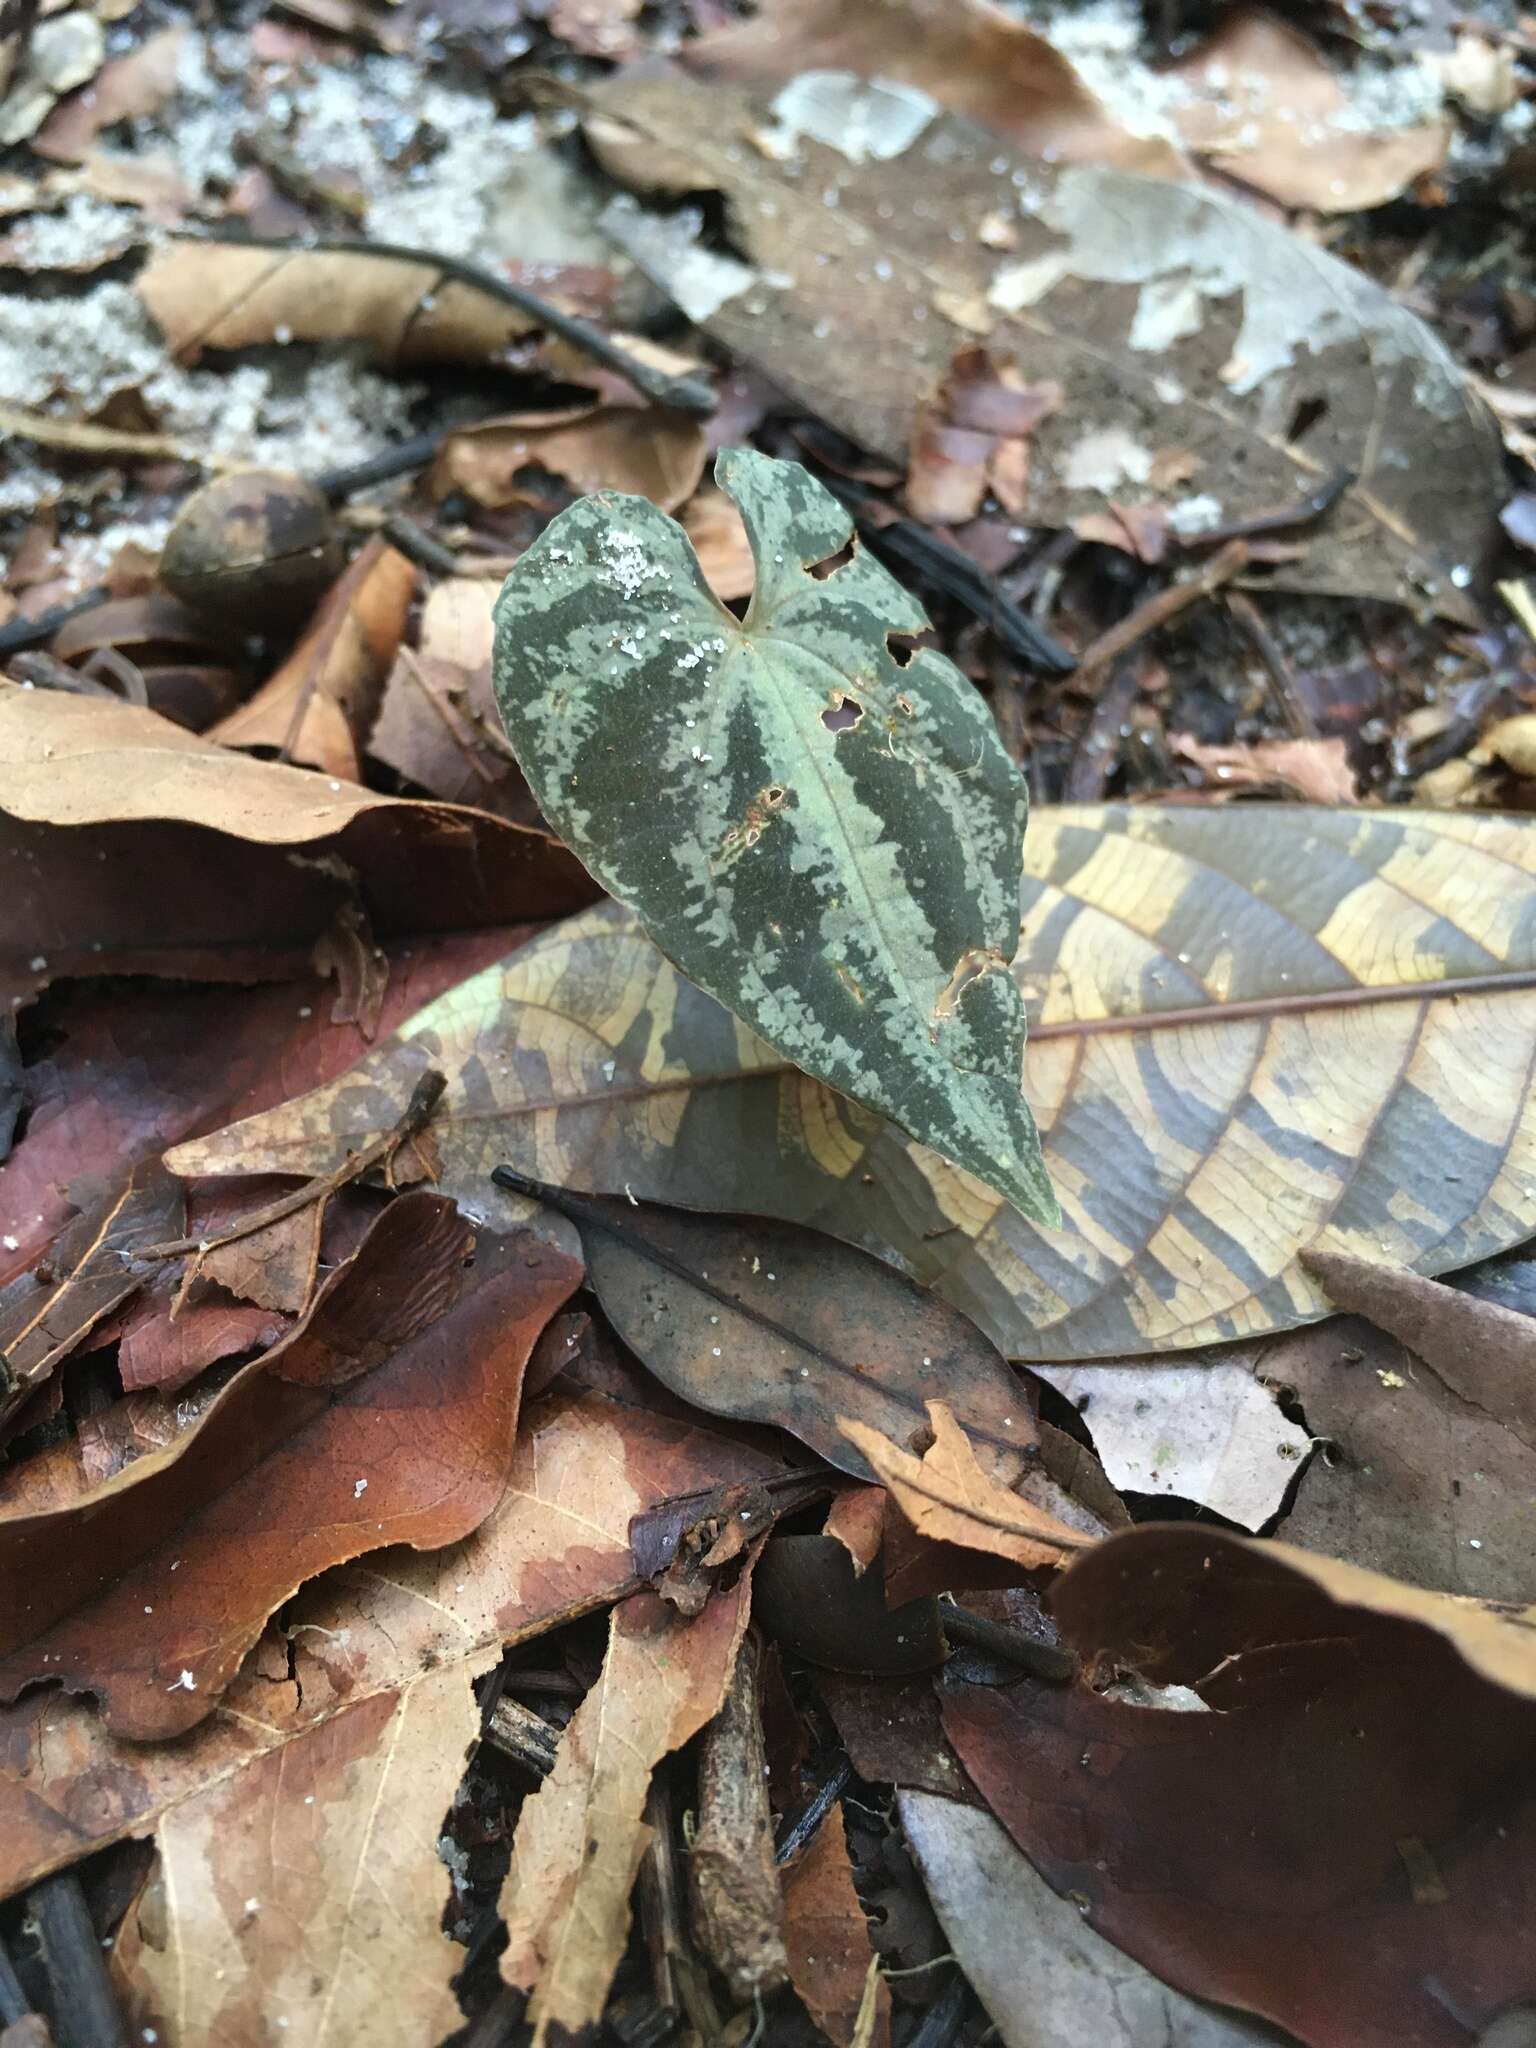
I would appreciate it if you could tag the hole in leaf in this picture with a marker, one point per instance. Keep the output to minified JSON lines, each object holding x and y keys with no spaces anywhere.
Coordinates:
{"x":773,"y":794}
{"x":902,"y":647}
{"x":1306,"y":416}
{"x":843,"y":715}
{"x":830,"y":566}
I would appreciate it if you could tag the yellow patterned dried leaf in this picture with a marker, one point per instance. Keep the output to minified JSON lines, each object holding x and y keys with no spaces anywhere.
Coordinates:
{"x":1254,"y":1031}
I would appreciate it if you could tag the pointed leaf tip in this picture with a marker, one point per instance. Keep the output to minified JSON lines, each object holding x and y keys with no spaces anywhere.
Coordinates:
{"x":821,"y":831}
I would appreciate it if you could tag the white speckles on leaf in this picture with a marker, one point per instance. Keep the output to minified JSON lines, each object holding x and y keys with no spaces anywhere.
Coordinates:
{"x":821,"y":883}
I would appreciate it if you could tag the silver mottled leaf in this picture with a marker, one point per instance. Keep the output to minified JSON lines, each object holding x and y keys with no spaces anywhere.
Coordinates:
{"x":820,"y":831}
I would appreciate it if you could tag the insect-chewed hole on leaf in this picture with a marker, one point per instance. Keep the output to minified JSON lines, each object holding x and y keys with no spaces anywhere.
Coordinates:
{"x":843,"y":715}
{"x":830,"y":566}
{"x":774,"y":795}
{"x":902,"y":647}
{"x":1306,"y":416}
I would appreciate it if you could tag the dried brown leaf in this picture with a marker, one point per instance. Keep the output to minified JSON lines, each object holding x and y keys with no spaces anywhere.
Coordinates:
{"x":1482,"y":1351}
{"x":580,"y":1837}
{"x":128,"y":845}
{"x":127,"y":88}
{"x":1264,"y":106}
{"x":304,"y":1891}
{"x":648,"y":453}
{"x":827,"y":1935}
{"x":948,"y":1498}
{"x":387,"y":1416}
{"x":1187,"y":333}
{"x":972,"y":56}
{"x":223,"y":295}
{"x":323,"y":697}
{"x":47,"y":1314}
{"x":1317,"y":771}
{"x":555,"y":1546}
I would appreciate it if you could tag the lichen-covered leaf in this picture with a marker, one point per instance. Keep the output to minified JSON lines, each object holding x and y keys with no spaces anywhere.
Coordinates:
{"x":821,"y":835}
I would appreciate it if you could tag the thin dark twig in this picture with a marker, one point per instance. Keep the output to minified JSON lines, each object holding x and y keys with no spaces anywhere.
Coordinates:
{"x":1305,"y":512}
{"x":1010,"y":1645}
{"x":807,"y":1822}
{"x":382,"y":468}
{"x":682,"y":394}
{"x":425,"y":1097}
{"x":941,"y":2022}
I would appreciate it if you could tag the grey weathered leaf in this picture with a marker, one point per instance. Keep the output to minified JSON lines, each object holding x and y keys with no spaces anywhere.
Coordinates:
{"x":1208,"y":358}
{"x":821,"y":835}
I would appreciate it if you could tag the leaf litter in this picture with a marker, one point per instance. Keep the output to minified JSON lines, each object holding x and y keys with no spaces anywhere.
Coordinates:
{"x":448,"y":1666}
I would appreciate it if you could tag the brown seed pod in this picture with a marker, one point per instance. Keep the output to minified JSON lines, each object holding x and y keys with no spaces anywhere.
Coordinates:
{"x":256,"y":549}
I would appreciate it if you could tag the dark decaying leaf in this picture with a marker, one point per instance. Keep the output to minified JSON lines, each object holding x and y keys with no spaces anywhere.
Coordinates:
{"x":768,"y":1322}
{"x":1192,"y":339}
{"x":555,"y":1545}
{"x":1344,"y":1840}
{"x":1253,"y":1031}
{"x":387,"y":1416}
{"x":1482,"y":1351}
{"x":128,"y":846}
{"x":1046,"y":1979}
{"x":133,"y":1068}
{"x":46,"y":1314}
{"x":826,"y":838}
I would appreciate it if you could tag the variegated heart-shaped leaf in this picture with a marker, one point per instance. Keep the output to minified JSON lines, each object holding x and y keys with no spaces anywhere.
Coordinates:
{"x":820,"y":828}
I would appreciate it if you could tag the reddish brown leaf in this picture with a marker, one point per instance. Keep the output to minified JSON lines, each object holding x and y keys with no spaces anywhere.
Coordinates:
{"x":972,"y":436}
{"x":322,"y":699}
{"x":386,"y":1417}
{"x":126,"y":88}
{"x":438,"y":724}
{"x":827,"y":1935}
{"x":130,"y":846}
{"x":555,"y":1546}
{"x":1317,"y":771}
{"x":46,"y":1314}
{"x":580,"y":1837}
{"x":1345,"y":1845}
{"x":135,"y":1069}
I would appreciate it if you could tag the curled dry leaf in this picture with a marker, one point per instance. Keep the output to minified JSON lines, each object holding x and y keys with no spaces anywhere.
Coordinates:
{"x":973,"y":437}
{"x":315,"y":709}
{"x":128,"y":846}
{"x":1316,"y":771}
{"x":1046,"y":1979}
{"x":127,"y":88}
{"x":970,"y":55}
{"x":1482,"y":1351}
{"x":47,"y":1314}
{"x":654,"y":454}
{"x":555,"y":1545}
{"x":1229,"y":1067}
{"x":437,"y":725}
{"x":387,"y":1416}
{"x":1192,"y":340}
{"x":1265,"y":107}
{"x":1345,"y":1845}
{"x":767,"y":1322}
{"x":225,"y":295}
{"x":133,"y":1068}
{"x":826,"y":1933}
{"x":580,"y":1837}
{"x":307,"y":1884}
{"x":949,"y":1499}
